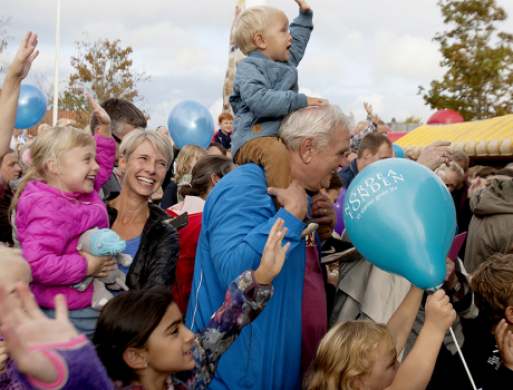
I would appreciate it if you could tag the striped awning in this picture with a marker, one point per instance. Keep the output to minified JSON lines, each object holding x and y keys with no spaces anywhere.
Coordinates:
{"x":485,"y":138}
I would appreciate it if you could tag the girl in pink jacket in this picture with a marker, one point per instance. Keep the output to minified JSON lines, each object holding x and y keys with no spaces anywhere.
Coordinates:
{"x":56,"y":202}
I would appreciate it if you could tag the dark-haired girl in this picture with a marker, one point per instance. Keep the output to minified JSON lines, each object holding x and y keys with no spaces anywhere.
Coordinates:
{"x":140,"y":336}
{"x":205,"y":175}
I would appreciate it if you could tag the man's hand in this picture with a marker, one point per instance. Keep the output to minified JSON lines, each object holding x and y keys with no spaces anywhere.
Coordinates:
{"x":303,"y":5}
{"x":322,"y":211}
{"x":435,"y":155}
{"x":315,"y":102}
{"x":293,"y":199}
{"x":504,"y":340}
{"x":368,"y":108}
{"x":274,"y":254}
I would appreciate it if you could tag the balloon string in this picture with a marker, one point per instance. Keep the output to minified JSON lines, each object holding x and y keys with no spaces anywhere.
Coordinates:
{"x":463,"y":359}
{"x":461,"y":355}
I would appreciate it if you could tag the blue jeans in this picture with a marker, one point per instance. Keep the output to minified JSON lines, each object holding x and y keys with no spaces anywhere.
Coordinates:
{"x":83,"y":319}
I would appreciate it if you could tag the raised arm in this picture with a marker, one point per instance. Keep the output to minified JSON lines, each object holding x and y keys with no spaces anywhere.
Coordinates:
{"x":300,"y":29}
{"x":402,"y":320}
{"x":11,"y":88}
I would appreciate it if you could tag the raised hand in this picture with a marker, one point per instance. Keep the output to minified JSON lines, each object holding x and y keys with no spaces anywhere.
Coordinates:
{"x":504,"y":340}
{"x":303,"y":5}
{"x":436,"y":154}
{"x":25,"y":325}
{"x":375,"y":119}
{"x":100,"y":113}
{"x":274,"y":254}
{"x":440,"y":314}
{"x":368,"y":108}
{"x":315,"y":102}
{"x":23,"y":60}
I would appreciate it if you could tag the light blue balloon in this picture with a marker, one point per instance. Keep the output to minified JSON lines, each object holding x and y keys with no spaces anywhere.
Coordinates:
{"x":399,"y":151}
{"x":31,"y":107}
{"x":191,"y":123}
{"x":401,"y":218}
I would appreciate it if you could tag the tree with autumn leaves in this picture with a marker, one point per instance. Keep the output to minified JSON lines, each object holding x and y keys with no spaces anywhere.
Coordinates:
{"x":479,"y":81}
{"x":104,"y":69}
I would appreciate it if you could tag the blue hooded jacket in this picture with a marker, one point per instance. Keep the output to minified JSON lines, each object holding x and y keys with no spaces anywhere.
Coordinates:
{"x":237,"y":219}
{"x":265,"y":91}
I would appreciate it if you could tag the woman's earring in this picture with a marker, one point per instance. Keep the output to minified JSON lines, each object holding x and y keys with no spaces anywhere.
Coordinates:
{"x":146,"y":365}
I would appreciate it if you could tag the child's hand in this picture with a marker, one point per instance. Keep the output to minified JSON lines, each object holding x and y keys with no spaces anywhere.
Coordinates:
{"x":368,"y":108}
{"x":25,"y":325}
{"x":504,"y":340}
{"x":23,"y":60}
{"x":98,"y":266}
{"x":375,"y":119}
{"x":439,"y":312}
{"x":3,"y":356}
{"x":315,"y":102}
{"x":274,"y":254}
{"x":294,"y":199}
{"x":303,"y":5}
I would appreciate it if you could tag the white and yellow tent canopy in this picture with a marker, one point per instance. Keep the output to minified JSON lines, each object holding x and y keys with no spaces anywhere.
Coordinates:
{"x":485,"y":138}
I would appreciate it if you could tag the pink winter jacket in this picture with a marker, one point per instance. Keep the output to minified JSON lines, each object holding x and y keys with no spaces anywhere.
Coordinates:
{"x":50,"y":223}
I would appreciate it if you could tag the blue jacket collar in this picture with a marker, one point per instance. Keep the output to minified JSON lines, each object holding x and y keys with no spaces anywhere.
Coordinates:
{"x":257,"y":54}
{"x":354,"y":167}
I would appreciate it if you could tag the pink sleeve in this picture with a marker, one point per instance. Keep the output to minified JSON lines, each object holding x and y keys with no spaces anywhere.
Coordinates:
{"x":44,"y":240}
{"x":106,"y":156}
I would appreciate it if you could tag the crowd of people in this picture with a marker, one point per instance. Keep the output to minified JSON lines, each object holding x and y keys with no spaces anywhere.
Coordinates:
{"x":130,"y":263}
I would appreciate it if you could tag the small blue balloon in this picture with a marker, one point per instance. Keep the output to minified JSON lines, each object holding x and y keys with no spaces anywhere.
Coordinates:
{"x":401,"y":218}
{"x":31,"y":107}
{"x":399,"y":151}
{"x":191,"y":123}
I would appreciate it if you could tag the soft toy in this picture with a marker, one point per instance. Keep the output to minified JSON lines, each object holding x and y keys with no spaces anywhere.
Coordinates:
{"x":104,"y":242}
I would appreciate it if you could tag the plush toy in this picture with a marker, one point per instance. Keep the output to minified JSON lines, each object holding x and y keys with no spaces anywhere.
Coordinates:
{"x":104,"y":242}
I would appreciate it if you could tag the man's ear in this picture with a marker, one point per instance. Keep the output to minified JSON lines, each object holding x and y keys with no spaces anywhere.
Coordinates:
{"x":260,"y":41}
{"x":306,"y":150}
{"x":135,"y":359}
{"x":122,"y":164}
{"x":366,"y":154}
{"x":508,"y":314}
{"x":53,"y":166}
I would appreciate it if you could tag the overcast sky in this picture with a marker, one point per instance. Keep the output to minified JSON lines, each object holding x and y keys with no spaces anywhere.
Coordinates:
{"x":366,"y":50}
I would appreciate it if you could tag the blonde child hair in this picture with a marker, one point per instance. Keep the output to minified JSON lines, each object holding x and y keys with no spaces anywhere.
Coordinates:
{"x":11,"y":258}
{"x":252,"y":21}
{"x":346,"y":353}
{"x":184,"y":159}
{"x":53,"y":143}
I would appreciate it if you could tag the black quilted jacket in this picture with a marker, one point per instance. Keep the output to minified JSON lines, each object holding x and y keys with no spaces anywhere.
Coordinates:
{"x":155,"y":261}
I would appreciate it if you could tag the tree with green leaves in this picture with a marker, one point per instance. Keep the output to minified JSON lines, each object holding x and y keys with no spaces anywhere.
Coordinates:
{"x":104,"y":69}
{"x":479,"y":80}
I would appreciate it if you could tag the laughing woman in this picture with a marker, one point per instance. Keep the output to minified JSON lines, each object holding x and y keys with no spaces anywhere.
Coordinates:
{"x":152,"y":242}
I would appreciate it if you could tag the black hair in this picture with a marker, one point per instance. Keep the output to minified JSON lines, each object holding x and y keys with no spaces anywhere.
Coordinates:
{"x":127,"y":321}
{"x":121,"y":112}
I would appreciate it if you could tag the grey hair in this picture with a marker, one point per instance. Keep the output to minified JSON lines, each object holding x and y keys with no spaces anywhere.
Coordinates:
{"x":136,"y":137}
{"x":316,"y":122}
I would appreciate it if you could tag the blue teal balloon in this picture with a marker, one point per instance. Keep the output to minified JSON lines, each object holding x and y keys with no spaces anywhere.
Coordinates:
{"x":191,"y":123}
{"x":31,"y":107}
{"x":401,"y":218}
{"x":399,"y":151}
